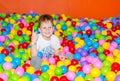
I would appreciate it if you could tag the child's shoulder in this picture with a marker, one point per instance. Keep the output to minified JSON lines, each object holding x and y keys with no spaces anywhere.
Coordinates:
{"x":54,"y":37}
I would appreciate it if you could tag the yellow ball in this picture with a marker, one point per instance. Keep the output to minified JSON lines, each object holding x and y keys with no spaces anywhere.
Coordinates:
{"x":21,"y":79}
{"x":79,"y":79}
{"x":109,"y":25}
{"x":110,"y":58}
{"x":68,"y":23}
{"x":77,"y":46}
{"x":115,"y":52}
{"x":10,"y":36}
{"x":118,"y":73}
{"x":110,"y":76}
{"x":12,"y":70}
{"x":72,"y":68}
{"x":106,"y":45}
{"x":104,"y":32}
{"x":117,"y":60}
{"x":78,"y":24}
{"x":50,"y":72}
{"x":95,"y":72}
{"x":58,"y":26}
{"x":76,"y":39}
{"x":45,"y":62}
{"x":8,"y":59}
{"x":28,"y":32}
{"x":12,"y":21}
{"x":24,"y":30}
{"x":13,"y":32}
{"x":57,"y":33}
{"x":67,"y":62}
{"x":52,"y":67}
{"x":118,"y":32}
{"x":16,"y":42}
{"x":30,"y":70}
{"x":37,"y":17}
{"x":1,"y":48}
{"x":60,"y":63}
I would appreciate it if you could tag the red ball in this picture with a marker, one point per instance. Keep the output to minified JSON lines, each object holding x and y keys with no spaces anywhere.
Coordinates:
{"x":24,"y":45}
{"x":38,"y":72}
{"x":5,"y":51}
{"x":56,"y":57}
{"x":12,"y":48}
{"x":74,"y":62}
{"x":73,"y":23}
{"x":54,"y":78}
{"x":21,"y":25}
{"x":72,"y":49}
{"x":29,"y":28}
{"x":79,"y":68}
{"x":63,"y":78}
{"x":19,"y":33}
{"x":20,"y":46}
{"x":89,"y":32}
{"x":25,"y":66}
{"x":1,"y":79}
{"x":95,"y":51}
{"x":106,"y":52}
{"x":31,"y":24}
{"x":114,"y":29}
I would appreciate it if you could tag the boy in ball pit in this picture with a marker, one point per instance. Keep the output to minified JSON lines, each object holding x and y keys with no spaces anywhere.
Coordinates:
{"x":45,"y":42}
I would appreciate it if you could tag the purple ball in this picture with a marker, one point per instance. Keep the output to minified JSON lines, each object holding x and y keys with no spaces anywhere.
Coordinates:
{"x":84,"y":53}
{"x":79,"y":50}
{"x":83,"y":63}
{"x":117,"y":78}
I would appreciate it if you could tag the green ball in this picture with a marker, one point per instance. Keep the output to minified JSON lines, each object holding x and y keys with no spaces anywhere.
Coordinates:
{"x":94,"y":27}
{"x":97,"y":35}
{"x":16,"y":27}
{"x":26,"y":78}
{"x":58,"y":71}
{"x":89,"y":78}
{"x":102,"y":57}
{"x":14,"y":77}
{"x":107,"y":63}
{"x":17,"y":55}
{"x":7,"y":42}
{"x":8,"y":72}
{"x":104,"y":70}
{"x":1,"y":70}
{"x":21,"y":51}
{"x":62,"y":23}
{"x":100,"y":49}
{"x":9,"y":80}
{"x":27,"y":38}
{"x":25,"y":57}
{"x":20,"y":39}
{"x":41,"y":78}
{"x":45,"y":75}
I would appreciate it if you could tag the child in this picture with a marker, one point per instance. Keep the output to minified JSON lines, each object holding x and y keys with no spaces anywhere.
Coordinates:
{"x":45,"y":42}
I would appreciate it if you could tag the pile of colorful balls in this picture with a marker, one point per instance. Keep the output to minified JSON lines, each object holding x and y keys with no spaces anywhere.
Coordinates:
{"x":95,"y":45}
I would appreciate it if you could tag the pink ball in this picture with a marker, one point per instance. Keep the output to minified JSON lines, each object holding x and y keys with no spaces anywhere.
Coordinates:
{"x":7,"y":66}
{"x":87,"y":28}
{"x":97,"y":79}
{"x":114,"y":44}
{"x":44,"y":58}
{"x":11,"y":44}
{"x":66,"y":49}
{"x":74,"y":34}
{"x":111,"y":48}
{"x":101,"y":42}
{"x":83,"y":59}
{"x":4,"y":77}
{"x":95,"y":60}
{"x":86,"y":69}
{"x":36,"y":79}
{"x":97,"y":31}
{"x":2,"y":38}
{"x":19,"y":71}
{"x":70,"y":75}
{"x":89,"y":59}
{"x":51,"y":60}
{"x":98,"y":65}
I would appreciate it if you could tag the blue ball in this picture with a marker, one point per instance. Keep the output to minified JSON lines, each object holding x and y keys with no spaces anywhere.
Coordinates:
{"x":77,"y":56}
{"x":80,"y":74}
{"x":64,"y":69}
{"x":86,"y":48}
{"x":95,"y":45}
{"x":44,"y":68}
{"x":40,"y":54}
{"x":64,"y":27}
{"x":118,"y":40}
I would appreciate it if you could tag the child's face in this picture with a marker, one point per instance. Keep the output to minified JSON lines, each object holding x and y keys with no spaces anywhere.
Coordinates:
{"x":46,"y":29}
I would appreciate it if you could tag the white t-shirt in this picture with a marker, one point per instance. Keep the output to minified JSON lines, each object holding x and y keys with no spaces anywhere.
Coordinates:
{"x":48,"y":46}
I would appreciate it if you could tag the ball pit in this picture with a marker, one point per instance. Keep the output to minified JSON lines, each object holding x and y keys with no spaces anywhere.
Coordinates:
{"x":95,"y":45}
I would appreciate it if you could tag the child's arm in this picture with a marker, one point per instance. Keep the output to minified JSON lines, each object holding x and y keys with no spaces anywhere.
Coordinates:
{"x":34,"y":38}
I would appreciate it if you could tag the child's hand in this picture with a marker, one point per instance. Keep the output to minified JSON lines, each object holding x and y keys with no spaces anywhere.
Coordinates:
{"x":34,"y":36}
{"x":62,"y":57}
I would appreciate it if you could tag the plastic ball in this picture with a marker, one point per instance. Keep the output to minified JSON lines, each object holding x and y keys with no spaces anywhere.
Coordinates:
{"x":70,"y":75}
{"x":8,"y":59}
{"x":87,"y":69}
{"x":4,"y":77}
{"x":44,"y":68}
{"x":19,"y":71}
{"x":7,"y":66}
{"x":30,"y":70}
{"x":58,"y":71}
{"x":2,"y":38}
{"x":60,"y":63}
{"x":5,"y":51}
{"x":51,"y":60}
{"x":64,"y":69}
{"x":95,"y":72}
{"x":110,"y":76}
{"x":77,"y":56}
{"x":117,"y":78}
{"x":63,"y":78}
{"x":72,"y":68}
{"x":79,"y":79}
{"x":54,"y":78}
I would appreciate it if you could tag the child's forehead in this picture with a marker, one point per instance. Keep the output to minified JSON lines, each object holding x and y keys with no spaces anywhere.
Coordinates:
{"x":46,"y":23}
